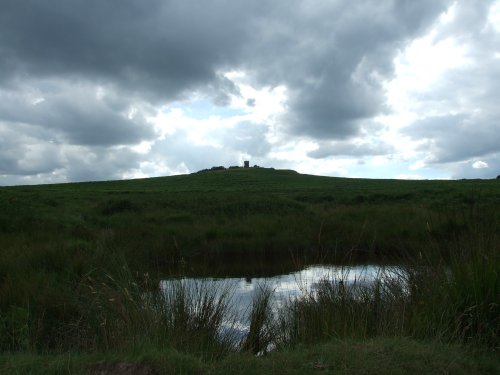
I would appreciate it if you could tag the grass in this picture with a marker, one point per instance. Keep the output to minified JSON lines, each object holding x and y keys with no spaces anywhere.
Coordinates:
{"x":261,"y":334}
{"x":448,"y":297}
{"x":80,"y":264}
{"x":194,"y":316}
{"x":373,"y":356}
{"x":156,"y":222}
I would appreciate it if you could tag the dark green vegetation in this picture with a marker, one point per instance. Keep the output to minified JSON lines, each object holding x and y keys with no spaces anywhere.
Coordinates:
{"x":158,"y":220}
{"x":79,"y":269}
{"x":398,"y":356}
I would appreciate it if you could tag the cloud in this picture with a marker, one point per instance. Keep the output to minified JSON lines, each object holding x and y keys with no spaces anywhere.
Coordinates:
{"x":479,"y":164}
{"x":455,"y":138}
{"x":26,"y":160}
{"x":198,"y":145}
{"x":409,"y":177}
{"x":458,"y":116}
{"x":346,"y":148}
{"x":248,"y":138}
{"x":81,"y":79}
{"x":155,"y":49}
{"x":74,"y":114}
{"x":469,"y":168}
{"x":328,"y":54}
{"x":21,"y":154}
{"x":333,"y":58}
{"x":98,"y":163}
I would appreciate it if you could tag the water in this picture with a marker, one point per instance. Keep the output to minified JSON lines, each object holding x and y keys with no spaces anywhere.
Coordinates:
{"x":286,"y":287}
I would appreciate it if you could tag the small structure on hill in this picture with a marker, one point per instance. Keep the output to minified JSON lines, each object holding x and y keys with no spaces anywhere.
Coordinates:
{"x":246,"y":164}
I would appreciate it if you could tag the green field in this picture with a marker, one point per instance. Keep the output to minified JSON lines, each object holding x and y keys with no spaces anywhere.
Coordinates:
{"x":76,"y":261}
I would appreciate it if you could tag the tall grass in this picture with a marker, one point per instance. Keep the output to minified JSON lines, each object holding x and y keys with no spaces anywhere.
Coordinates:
{"x":111,"y":308}
{"x":449,"y":292}
{"x":261,"y":330}
{"x":189,"y":317}
{"x":341,"y":308}
{"x":457,"y":296}
{"x":450,"y":295}
{"x":197,"y":317}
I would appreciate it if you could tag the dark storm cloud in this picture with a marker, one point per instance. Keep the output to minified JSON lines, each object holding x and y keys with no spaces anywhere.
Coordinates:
{"x":333,"y":58}
{"x":151,"y":48}
{"x":142,"y":52}
{"x":325,"y":52}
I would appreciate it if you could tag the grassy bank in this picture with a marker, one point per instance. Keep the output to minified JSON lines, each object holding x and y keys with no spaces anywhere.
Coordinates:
{"x":79,"y":269}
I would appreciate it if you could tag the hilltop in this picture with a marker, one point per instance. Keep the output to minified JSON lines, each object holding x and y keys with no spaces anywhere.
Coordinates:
{"x":299,"y":187}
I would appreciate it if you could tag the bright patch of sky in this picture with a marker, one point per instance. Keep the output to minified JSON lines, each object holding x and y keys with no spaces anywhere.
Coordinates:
{"x":201,"y":109}
{"x":494,"y":15}
{"x":418,"y":68}
{"x":479,"y":164}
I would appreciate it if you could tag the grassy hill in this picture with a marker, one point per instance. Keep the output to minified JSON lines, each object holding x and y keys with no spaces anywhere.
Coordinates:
{"x":280,"y":181}
{"x":246,"y":210}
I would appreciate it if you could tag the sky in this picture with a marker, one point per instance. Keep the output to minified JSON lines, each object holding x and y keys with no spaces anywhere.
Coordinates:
{"x":117,"y":89}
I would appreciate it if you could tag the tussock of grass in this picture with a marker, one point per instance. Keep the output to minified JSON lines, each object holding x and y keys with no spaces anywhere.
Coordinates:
{"x":194,"y":316}
{"x":261,"y":331}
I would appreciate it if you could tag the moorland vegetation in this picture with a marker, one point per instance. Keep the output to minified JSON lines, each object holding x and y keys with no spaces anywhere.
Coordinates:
{"x":80,"y":265}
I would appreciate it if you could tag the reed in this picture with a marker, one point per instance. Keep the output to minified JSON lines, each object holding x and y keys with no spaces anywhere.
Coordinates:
{"x":197,"y":317}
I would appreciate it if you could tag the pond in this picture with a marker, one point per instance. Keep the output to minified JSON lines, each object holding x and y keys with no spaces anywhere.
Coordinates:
{"x":285,"y":287}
